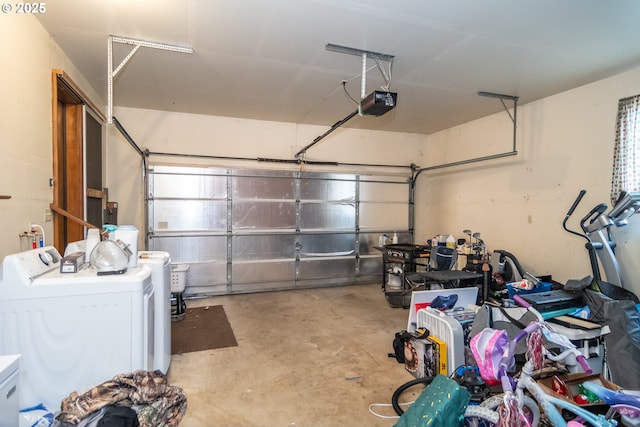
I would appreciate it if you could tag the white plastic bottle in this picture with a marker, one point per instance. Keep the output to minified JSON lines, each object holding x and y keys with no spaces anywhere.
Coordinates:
{"x":93,"y":238}
{"x":129,"y":235}
{"x":394,"y":239}
{"x":451,"y":242}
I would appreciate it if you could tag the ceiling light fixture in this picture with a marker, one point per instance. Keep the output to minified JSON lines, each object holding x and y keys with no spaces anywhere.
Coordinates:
{"x":137,"y":44}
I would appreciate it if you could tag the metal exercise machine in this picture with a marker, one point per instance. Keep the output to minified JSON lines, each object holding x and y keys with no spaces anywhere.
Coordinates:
{"x":596,"y":230}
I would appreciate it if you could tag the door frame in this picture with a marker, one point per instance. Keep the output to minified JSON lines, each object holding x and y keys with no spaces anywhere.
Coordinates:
{"x":69,"y":106}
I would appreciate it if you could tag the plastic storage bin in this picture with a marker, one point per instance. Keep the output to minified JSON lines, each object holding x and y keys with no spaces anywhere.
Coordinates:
{"x":542,"y":287}
{"x":178,"y":285}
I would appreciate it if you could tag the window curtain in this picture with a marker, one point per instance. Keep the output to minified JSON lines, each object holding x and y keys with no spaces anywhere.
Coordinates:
{"x":626,"y":154}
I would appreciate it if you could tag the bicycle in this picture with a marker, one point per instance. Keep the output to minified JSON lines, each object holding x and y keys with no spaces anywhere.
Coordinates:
{"x":501,"y":360}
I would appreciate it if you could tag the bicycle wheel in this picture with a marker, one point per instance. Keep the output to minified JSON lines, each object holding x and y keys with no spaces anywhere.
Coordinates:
{"x":479,"y":416}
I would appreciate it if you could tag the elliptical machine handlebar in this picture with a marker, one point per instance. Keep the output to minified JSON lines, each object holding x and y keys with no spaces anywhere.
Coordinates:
{"x":575,"y":203}
{"x":573,"y":207}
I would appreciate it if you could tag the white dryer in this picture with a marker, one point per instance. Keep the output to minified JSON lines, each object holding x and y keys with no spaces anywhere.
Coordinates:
{"x":73,"y":330}
{"x":160,"y":264}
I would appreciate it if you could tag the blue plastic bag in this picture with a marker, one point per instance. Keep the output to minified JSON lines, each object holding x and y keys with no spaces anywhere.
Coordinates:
{"x":36,"y":416}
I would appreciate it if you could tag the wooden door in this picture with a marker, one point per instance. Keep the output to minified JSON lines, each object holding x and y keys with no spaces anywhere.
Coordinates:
{"x":77,"y":162}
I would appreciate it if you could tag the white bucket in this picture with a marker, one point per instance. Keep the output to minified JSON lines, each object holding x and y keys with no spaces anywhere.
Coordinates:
{"x":128,"y":234}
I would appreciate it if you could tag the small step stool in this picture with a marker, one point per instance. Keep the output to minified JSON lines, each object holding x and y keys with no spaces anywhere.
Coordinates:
{"x":178,"y":285}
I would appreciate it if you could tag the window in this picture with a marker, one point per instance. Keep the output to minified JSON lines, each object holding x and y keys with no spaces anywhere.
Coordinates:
{"x":626,"y":154}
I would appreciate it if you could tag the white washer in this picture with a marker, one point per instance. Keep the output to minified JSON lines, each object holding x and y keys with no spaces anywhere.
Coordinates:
{"x":72,"y":330}
{"x":160,"y":264}
{"x":9,"y":380}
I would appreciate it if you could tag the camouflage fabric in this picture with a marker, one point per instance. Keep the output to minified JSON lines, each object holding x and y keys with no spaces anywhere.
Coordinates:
{"x":148,"y":393}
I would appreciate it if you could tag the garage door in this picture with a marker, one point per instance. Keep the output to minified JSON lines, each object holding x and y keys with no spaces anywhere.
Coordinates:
{"x":256,"y":230}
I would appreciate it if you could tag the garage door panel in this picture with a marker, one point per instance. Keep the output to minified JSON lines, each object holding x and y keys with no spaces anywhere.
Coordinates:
{"x":260,"y":186}
{"x":259,"y":272}
{"x":328,"y":187}
{"x":263,"y":215}
{"x":189,"y":215}
{"x":325,"y":245}
{"x":189,"y":183}
{"x":261,"y":247}
{"x":327,"y":216}
{"x":191,"y":249}
{"x":327,"y":268}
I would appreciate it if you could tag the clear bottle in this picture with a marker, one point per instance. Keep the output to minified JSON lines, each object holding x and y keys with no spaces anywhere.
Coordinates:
{"x":128,"y":234}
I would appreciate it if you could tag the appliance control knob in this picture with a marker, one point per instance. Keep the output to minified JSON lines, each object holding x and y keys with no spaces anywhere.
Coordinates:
{"x":46,"y":258}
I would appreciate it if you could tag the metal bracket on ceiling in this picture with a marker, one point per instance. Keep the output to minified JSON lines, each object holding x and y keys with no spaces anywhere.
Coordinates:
{"x":513,"y":151}
{"x":137,"y":44}
{"x":365,"y":54}
{"x":513,"y":117}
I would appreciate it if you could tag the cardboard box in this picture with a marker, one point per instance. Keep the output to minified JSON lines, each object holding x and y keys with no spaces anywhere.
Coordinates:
{"x":419,"y":358}
{"x":72,"y":262}
{"x":572,"y":381}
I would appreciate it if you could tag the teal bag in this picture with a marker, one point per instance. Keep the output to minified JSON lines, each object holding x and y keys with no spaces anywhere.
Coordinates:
{"x":441,"y":403}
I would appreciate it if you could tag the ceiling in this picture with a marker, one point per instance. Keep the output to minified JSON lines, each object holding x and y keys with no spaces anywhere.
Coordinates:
{"x":268,"y":60}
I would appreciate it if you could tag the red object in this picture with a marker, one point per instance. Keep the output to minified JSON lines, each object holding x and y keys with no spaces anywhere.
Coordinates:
{"x":422,"y":305}
{"x":581,"y":399}
{"x":559,"y":386}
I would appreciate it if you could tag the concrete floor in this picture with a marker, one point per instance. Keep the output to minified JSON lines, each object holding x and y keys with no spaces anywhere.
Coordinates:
{"x":314,"y":357}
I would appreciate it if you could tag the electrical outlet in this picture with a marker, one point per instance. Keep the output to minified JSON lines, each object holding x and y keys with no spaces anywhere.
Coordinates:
{"x":530,"y":219}
{"x":48,"y":217}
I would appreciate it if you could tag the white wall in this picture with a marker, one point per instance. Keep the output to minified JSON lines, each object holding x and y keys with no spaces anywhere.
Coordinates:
{"x":27,"y":54}
{"x":166,"y":132}
{"x":564,"y":144}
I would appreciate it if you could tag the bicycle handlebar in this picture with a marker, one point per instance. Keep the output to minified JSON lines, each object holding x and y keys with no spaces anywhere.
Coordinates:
{"x":585,"y":365}
{"x":521,"y":302}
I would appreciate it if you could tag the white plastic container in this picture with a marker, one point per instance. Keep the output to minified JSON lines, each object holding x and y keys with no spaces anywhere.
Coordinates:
{"x":129,"y":235}
{"x":179,"y":277}
{"x":451,"y":242}
{"x":93,"y":238}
